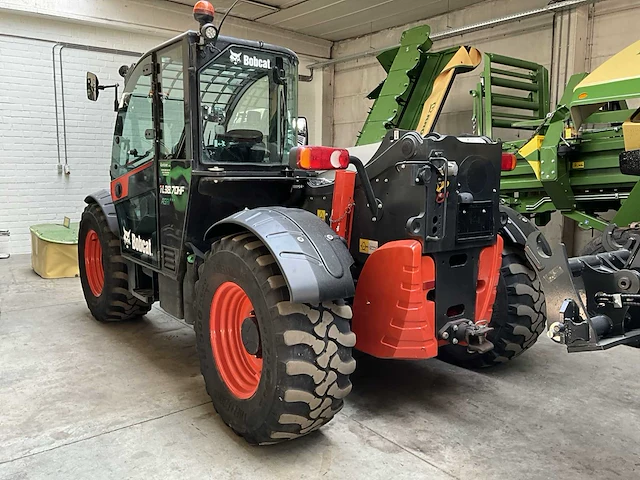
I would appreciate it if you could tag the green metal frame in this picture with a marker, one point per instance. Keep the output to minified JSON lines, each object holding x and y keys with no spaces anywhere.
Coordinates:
{"x":528,"y":94}
{"x":411,"y":71}
{"x":579,"y":172}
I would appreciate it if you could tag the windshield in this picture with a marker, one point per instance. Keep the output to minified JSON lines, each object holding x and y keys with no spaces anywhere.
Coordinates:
{"x":248,"y":107}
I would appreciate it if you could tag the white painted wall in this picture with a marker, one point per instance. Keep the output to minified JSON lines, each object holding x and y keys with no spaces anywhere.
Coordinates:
{"x":614,"y":27}
{"x":31,"y":190}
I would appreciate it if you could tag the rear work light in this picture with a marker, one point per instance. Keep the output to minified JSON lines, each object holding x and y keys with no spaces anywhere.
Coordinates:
{"x":509,"y":162}
{"x":319,"y":158}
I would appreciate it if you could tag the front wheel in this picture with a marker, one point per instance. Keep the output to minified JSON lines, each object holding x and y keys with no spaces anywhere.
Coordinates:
{"x":518,"y":318}
{"x":103,"y":272}
{"x":275,"y":370}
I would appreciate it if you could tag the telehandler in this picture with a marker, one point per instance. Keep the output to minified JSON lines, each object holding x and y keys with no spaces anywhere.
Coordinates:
{"x":284,"y":256}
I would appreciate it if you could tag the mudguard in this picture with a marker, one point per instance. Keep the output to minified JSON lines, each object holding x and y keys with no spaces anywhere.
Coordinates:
{"x":103,"y":199}
{"x":517,"y":228}
{"x":314,"y":260}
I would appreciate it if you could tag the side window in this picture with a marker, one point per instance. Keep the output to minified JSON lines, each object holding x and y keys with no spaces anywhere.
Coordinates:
{"x":172,"y":102}
{"x":133,"y":140}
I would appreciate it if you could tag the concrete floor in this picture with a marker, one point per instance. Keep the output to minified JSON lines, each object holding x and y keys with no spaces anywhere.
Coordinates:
{"x":79,"y":400}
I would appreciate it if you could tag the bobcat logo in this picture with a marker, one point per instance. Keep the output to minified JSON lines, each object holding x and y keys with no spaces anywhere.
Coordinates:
{"x":126,"y":237}
{"x":235,"y":58}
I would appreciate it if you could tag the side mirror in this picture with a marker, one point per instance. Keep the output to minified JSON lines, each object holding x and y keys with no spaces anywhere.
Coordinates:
{"x":303,"y":131}
{"x":92,"y":86}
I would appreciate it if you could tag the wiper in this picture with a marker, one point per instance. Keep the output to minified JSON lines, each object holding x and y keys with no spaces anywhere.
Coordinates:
{"x":137,"y":157}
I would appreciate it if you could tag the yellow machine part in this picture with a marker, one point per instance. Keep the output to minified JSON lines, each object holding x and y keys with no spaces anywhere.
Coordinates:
{"x":619,"y":75}
{"x":528,"y":149}
{"x":466,"y":59}
{"x":54,"y":250}
{"x":631,"y":132}
{"x":622,"y":66}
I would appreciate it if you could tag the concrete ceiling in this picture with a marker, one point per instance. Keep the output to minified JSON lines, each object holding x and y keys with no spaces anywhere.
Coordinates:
{"x":337,"y":19}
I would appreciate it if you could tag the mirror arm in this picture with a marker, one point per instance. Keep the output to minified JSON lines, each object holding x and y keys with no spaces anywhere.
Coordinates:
{"x":115,"y":87}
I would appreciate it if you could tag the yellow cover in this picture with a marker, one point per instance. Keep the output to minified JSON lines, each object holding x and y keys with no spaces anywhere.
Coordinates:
{"x":616,"y":79}
{"x":54,"y":254}
{"x":631,"y":132}
{"x":532,"y":146}
{"x":624,"y":65}
{"x":463,"y":59}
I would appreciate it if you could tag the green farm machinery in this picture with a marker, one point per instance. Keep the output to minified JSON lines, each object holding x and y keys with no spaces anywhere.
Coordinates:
{"x":569,"y":158}
{"x":576,"y":157}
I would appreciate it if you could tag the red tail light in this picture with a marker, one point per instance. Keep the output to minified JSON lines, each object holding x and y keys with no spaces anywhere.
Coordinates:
{"x":319,"y":158}
{"x":509,"y":162}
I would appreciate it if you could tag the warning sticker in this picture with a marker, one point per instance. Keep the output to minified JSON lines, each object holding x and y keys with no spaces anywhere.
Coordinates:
{"x":577,"y":165}
{"x":322,"y":214}
{"x":367,"y":246}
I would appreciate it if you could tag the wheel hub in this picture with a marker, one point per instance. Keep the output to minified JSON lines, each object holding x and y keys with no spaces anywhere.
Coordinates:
{"x":235,"y":340}
{"x":251,"y":336}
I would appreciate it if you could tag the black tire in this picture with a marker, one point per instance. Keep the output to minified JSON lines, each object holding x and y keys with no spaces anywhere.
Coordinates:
{"x":306,"y":349}
{"x":114,"y":303}
{"x":594,"y":247}
{"x":620,"y":235}
{"x":518,"y":318}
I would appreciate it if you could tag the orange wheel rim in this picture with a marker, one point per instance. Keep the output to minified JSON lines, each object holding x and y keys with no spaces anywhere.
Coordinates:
{"x":93,"y":263}
{"x":240,"y":370}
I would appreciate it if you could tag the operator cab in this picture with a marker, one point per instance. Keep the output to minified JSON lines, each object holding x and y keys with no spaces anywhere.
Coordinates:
{"x":198,"y":116}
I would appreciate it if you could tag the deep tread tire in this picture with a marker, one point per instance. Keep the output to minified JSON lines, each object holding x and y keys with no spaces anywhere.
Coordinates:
{"x":306,"y":349}
{"x":620,"y":235}
{"x":115,"y":303}
{"x":518,"y":319}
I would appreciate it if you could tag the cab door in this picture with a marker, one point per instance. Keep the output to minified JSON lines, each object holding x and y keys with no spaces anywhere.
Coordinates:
{"x":174,"y":154}
{"x":133,"y":167}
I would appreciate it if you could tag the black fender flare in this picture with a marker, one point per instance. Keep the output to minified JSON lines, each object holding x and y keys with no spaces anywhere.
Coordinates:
{"x":314,"y":260}
{"x":103,"y":199}
{"x":517,"y":228}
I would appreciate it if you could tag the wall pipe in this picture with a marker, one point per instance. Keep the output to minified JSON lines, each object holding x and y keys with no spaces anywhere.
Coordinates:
{"x":74,"y":46}
{"x":77,"y":46}
{"x":552,"y":8}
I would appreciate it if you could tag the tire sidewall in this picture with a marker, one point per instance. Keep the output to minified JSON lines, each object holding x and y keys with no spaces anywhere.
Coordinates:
{"x":249,"y":414}
{"x":90,"y":222}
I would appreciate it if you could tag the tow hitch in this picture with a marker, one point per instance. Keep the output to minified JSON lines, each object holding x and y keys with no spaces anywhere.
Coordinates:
{"x":469,"y":333}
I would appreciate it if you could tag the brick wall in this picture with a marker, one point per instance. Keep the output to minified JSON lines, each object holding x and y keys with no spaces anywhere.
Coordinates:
{"x":31,"y":189}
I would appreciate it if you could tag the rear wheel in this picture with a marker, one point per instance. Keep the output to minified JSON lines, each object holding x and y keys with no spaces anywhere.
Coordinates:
{"x":275,"y":370}
{"x":620,"y":235}
{"x":518,"y":316}
{"x":103,"y":271}
{"x":595,"y":246}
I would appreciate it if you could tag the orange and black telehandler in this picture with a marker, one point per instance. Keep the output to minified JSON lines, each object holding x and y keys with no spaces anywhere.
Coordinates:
{"x":285,"y":257}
